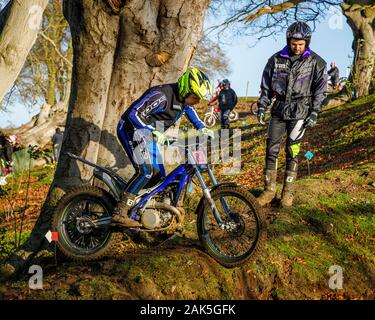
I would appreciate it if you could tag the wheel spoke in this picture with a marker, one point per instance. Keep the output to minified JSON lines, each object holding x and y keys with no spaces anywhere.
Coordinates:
{"x":241,"y":230}
{"x":76,"y":232}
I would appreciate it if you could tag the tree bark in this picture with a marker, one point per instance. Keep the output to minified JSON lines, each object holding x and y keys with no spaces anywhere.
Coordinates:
{"x":115,"y":59}
{"x":361,"y":18}
{"x":68,"y":83}
{"x":156,"y":44}
{"x":52,"y":77}
{"x":19,"y":26}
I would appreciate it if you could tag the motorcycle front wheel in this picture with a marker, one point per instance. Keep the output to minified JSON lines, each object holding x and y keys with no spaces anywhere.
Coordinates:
{"x":242,"y":232}
{"x":209,"y":120}
{"x":233,"y":116}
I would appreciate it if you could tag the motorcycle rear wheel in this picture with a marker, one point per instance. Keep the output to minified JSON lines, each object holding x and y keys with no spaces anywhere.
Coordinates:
{"x":79,"y":205}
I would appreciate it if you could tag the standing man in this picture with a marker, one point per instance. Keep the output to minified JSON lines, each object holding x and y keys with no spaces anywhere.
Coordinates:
{"x":227,"y":102}
{"x":57,"y":140}
{"x":297,"y":78}
{"x":334,"y":73}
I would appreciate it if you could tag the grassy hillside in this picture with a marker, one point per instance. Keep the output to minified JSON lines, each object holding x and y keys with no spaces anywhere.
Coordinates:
{"x":332,"y":223}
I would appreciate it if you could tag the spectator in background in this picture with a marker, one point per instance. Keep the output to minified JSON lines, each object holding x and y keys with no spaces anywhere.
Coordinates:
{"x":227,"y":102}
{"x":217,"y":92}
{"x":7,"y":144}
{"x":57,"y":140}
{"x":334,"y":73}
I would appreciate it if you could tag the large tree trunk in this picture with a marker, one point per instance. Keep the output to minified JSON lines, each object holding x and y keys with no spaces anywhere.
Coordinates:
{"x":116,"y":58}
{"x":68,"y":83}
{"x":372,"y":84}
{"x":19,"y":26}
{"x":361,"y":18}
{"x":156,"y":44}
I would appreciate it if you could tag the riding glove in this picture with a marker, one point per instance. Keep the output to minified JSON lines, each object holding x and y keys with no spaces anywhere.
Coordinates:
{"x":311,"y":120}
{"x":207,"y":132}
{"x":261,"y":114}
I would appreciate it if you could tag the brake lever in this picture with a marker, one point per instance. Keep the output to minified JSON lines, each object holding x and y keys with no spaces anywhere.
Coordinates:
{"x":168,"y":142}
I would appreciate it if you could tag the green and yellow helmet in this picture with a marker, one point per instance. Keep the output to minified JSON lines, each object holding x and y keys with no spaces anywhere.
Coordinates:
{"x":194,"y":81}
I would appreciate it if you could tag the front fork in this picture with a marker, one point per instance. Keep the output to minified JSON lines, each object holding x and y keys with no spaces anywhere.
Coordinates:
{"x":208,"y":197}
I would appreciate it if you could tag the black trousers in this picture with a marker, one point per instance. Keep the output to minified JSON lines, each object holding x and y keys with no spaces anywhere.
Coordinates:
{"x":277,"y":129}
{"x":224,"y":117}
{"x":334,"y":81}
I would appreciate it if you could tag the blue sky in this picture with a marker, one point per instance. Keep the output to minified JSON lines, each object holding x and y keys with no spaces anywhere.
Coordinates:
{"x":247,"y":62}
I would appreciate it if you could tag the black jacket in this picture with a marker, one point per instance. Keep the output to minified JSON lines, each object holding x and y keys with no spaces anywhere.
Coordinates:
{"x":334,"y":73}
{"x":298,"y":84}
{"x":6,"y":149}
{"x":227,"y":99}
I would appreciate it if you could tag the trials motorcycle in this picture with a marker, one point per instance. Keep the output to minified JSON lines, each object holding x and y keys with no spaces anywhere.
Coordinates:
{"x":230,"y":223}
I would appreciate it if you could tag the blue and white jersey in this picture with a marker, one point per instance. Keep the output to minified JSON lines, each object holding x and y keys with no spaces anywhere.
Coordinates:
{"x":160,"y":103}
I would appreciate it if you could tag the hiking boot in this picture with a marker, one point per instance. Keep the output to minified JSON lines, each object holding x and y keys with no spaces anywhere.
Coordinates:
{"x":287,"y":194}
{"x":270,"y":188}
{"x":120,"y":214}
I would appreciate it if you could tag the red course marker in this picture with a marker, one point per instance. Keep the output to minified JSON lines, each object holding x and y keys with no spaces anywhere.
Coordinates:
{"x":52,"y":236}
{"x":55,"y":236}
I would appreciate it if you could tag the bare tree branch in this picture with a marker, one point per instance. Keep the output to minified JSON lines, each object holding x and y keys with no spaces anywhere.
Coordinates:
{"x":272,"y":10}
{"x":56,"y":49}
{"x":268,"y":17}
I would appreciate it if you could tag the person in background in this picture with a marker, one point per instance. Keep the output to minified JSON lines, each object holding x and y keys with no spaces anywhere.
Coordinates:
{"x":218,"y":88}
{"x":227,"y":102}
{"x":334,"y":73}
{"x":7,"y":145}
{"x":57,"y":140}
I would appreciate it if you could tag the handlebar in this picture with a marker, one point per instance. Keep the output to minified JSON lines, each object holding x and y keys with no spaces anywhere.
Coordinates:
{"x":173,"y":142}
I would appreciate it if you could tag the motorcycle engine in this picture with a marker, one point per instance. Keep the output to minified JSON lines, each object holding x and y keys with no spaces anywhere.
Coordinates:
{"x":155,"y":219}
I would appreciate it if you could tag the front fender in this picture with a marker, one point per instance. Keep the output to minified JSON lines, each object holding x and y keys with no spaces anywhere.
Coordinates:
{"x":229,"y":184}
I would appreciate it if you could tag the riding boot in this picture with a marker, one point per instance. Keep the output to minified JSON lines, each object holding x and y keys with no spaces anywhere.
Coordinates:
{"x":270,"y":187}
{"x":287,"y":194}
{"x":120,"y":214}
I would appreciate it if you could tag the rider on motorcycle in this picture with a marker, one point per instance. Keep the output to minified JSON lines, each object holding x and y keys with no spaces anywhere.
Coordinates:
{"x":139,"y":132}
